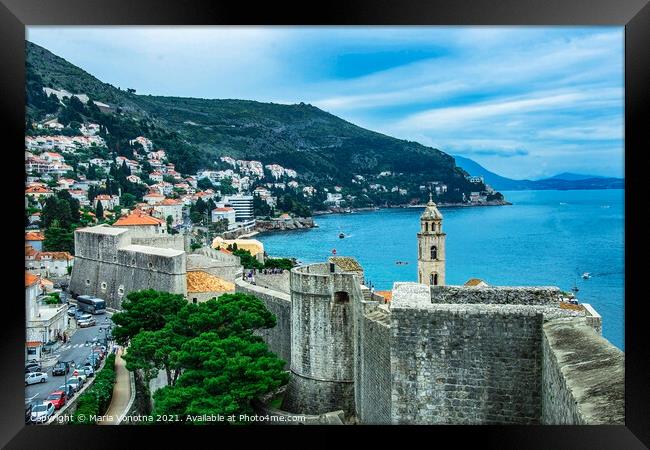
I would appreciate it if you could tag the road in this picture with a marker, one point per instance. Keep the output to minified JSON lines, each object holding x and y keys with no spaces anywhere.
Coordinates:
{"x":76,"y":349}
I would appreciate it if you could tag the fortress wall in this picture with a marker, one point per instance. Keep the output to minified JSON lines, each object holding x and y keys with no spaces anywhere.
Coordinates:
{"x":322,"y":343}
{"x":583,"y":376}
{"x":176,"y":241}
{"x":465,"y":364}
{"x":227,"y":270}
{"x":109,"y":267}
{"x":218,"y":256}
{"x":100,"y":243}
{"x":502,"y":295}
{"x":278,"y":281}
{"x":278,"y":338}
{"x":373,"y":380}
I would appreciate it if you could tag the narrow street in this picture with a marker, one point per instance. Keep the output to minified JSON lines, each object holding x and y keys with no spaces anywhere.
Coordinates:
{"x":76,"y":350}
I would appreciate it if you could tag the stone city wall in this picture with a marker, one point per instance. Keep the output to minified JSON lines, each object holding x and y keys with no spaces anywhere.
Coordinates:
{"x":322,"y":343}
{"x":502,"y":295}
{"x":228,"y":270}
{"x":175,"y":241}
{"x":583,"y":376}
{"x":373,"y":379}
{"x":109,"y":267}
{"x":277,"y":338}
{"x":465,"y":364}
{"x":275,"y":281}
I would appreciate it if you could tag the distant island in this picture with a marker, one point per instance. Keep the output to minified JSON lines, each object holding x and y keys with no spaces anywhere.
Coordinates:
{"x":563,"y":181}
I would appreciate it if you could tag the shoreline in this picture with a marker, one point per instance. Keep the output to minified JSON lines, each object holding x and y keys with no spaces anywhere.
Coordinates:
{"x":369,"y":208}
{"x":440,"y":205}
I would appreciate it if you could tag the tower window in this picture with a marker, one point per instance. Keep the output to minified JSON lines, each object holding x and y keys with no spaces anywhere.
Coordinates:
{"x":426,"y":226}
{"x":434,"y":252}
{"x":434,"y":279}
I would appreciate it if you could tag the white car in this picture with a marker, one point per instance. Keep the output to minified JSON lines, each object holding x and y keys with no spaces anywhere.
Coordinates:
{"x":35,"y":377}
{"x":42,"y":413}
{"x":80,"y":375}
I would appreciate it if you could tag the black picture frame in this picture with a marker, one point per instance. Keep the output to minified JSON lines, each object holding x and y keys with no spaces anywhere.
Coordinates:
{"x":633,"y":14}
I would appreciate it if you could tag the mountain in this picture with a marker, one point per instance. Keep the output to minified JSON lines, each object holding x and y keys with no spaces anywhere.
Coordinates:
{"x":562,"y":181}
{"x":195,"y":132}
{"x":568,"y":176}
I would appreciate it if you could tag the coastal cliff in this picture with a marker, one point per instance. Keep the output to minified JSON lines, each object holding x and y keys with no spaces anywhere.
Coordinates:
{"x":295,"y":223}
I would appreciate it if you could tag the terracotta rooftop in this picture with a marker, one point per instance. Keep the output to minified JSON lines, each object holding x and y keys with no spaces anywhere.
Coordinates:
{"x":30,"y":279}
{"x":34,"y":236}
{"x":137,"y":219}
{"x":37,"y":190}
{"x":169,"y":202}
{"x":199,"y":281}
{"x":474,"y":282}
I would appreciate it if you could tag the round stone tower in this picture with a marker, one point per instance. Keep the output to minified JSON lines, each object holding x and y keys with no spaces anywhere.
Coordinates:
{"x":322,"y":347}
{"x":431,"y":247}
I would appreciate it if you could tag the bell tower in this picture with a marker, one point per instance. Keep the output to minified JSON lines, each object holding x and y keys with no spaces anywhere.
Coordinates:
{"x":431,"y":247}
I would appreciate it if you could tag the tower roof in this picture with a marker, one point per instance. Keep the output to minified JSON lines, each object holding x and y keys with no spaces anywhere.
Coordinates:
{"x":431,"y":211}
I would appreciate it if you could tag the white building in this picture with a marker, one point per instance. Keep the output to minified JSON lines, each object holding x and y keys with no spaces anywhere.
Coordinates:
{"x":47,"y":264}
{"x":227,"y":213}
{"x":169,"y":207}
{"x":243,"y":205}
{"x":44,"y":323}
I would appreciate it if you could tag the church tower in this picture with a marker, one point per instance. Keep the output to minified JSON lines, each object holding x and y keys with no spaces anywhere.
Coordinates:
{"x":431,"y":247}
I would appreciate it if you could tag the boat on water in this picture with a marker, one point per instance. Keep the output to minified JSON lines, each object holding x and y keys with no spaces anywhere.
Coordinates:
{"x":586,"y":275}
{"x":341,"y":235}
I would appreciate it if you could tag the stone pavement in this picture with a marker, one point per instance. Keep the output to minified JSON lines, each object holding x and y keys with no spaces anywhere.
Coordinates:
{"x":121,"y":392}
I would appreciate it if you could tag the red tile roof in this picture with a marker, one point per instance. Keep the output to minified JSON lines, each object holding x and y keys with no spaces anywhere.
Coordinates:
{"x":138,"y":218}
{"x":30,"y":279}
{"x":34,"y":236}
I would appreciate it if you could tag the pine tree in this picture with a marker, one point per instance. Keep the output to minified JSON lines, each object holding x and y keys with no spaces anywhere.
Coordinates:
{"x":99,"y":211}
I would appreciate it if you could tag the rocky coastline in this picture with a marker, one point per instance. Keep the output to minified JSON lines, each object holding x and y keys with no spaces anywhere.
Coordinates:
{"x":294,"y":223}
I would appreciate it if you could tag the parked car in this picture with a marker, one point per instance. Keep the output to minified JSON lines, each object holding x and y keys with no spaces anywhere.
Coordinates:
{"x":69,"y":390}
{"x":83,"y":316}
{"x":99,"y":354}
{"x":72,"y":311}
{"x":79,"y":375}
{"x":42,"y":413}
{"x":60,"y":368}
{"x":33,"y":367}
{"x":35,"y":377}
{"x":92,"y":362}
{"x":76,"y":385}
{"x":57,"y":398}
{"x":89,"y":371}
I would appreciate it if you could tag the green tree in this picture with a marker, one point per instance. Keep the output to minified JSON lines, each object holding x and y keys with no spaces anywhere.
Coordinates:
{"x":128,"y":200}
{"x":221,"y":376}
{"x":169,"y":221}
{"x":223,"y":363}
{"x":56,"y":209}
{"x":151,"y":351}
{"x":204,"y":183}
{"x":247,"y":260}
{"x":146,"y":310}
{"x":99,"y":211}
{"x":58,"y":239}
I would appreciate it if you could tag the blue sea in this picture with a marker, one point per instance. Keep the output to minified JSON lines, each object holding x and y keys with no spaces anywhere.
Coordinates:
{"x":544,"y":238}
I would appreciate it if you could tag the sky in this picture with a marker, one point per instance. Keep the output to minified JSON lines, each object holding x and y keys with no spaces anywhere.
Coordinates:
{"x":524,"y":102}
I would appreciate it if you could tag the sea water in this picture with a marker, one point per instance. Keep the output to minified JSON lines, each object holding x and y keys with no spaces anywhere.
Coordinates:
{"x":547,"y":238}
